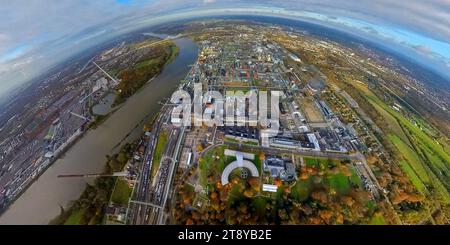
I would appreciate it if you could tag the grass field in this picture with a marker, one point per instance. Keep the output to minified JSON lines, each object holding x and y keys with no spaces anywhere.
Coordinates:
{"x":212,"y":163}
{"x":426,"y":160}
{"x":411,"y":157}
{"x":310,"y":161}
{"x":334,"y":178}
{"x":413,"y":130}
{"x":235,"y":193}
{"x":133,"y":78}
{"x":417,"y":182}
{"x":160,"y":146}
{"x":319,"y":162}
{"x":259,"y":203}
{"x":244,"y":142}
{"x":146,"y":63}
{"x":75,"y":217}
{"x":392,"y":124}
{"x":354,"y":179}
{"x":174,"y":51}
{"x":121,"y":193}
{"x":302,"y":189}
{"x":377,"y":220}
{"x":339,"y":182}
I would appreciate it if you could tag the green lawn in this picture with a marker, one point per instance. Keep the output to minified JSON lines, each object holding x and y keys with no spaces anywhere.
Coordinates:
{"x":319,"y":162}
{"x":160,"y":146}
{"x":354,"y":179}
{"x":212,"y":163}
{"x":121,"y":193}
{"x":392,"y":123}
{"x":257,"y":163}
{"x":310,"y":161}
{"x":302,"y":189}
{"x":259,"y":203}
{"x":235,"y":193}
{"x":336,"y":181}
{"x":146,"y":63}
{"x":339,"y":182}
{"x":413,"y":177}
{"x":75,"y":217}
{"x":416,"y":132}
{"x":411,"y":157}
{"x":174,"y":50}
{"x":425,"y":155}
{"x":377,"y":220}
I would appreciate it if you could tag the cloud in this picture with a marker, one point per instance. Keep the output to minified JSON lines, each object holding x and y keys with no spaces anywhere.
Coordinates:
{"x":14,"y":53}
{"x":371,"y":30}
{"x":423,"y":49}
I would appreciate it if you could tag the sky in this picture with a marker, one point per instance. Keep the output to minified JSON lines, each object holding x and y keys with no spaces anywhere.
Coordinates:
{"x":38,"y":34}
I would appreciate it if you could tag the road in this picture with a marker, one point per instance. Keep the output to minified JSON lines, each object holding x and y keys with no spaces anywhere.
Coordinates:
{"x":152,"y":194}
{"x":311,"y":153}
{"x":142,"y":195}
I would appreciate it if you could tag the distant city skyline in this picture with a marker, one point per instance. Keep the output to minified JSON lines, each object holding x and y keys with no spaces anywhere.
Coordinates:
{"x":36,"y":36}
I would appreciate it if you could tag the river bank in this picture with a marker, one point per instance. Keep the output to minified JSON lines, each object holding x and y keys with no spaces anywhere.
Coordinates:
{"x":49,"y":193}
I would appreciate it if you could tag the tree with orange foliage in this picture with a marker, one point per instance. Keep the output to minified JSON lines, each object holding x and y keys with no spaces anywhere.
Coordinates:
{"x":249,"y":193}
{"x":277,"y":182}
{"x":319,"y":196}
{"x":254,"y":183}
{"x":262,"y":156}
{"x":189,"y":221}
{"x":326,"y":216}
{"x":218,"y":185}
{"x":213,"y":195}
{"x":304,"y":175}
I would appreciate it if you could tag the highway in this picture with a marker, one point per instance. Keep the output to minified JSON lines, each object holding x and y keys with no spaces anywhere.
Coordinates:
{"x":152,"y":194}
{"x":142,"y":195}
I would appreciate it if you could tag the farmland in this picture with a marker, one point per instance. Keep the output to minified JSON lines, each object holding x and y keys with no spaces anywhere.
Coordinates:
{"x":425,"y":160}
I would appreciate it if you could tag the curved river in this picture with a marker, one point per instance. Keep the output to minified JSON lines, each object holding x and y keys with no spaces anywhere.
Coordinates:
{"x":42,"y":200}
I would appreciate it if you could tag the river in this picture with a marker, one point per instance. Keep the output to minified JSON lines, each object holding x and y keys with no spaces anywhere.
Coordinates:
{"x":41,"y":202}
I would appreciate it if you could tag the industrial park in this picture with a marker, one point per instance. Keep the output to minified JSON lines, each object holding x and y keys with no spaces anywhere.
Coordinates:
{"x":320,"y":157}
{"x":310,"y":133}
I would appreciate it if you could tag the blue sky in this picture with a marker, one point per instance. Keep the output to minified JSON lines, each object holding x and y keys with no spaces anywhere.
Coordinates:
{"x":37,"y":34}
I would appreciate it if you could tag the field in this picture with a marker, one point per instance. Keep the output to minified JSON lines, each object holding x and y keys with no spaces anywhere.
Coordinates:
{"x":75,"y":217}
{"x":411,"y":158}
{"x":259,"y":203}
{"x":311,"y":111}
{"x":133,"y":78}
{"x":426,"y":160}
{"x":318,"y":162}
{"x":392,"y":124}
{"x":212,"y":163}
{"x":333,"y":176}
{"x":121,"y":193}
{"x":174,"y":51}
{"x":377,"y":220}
{"x":160,"y":146}
{"x":302,"y":189}
{"x":417,"y":182}
{"x":339,"y":182}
